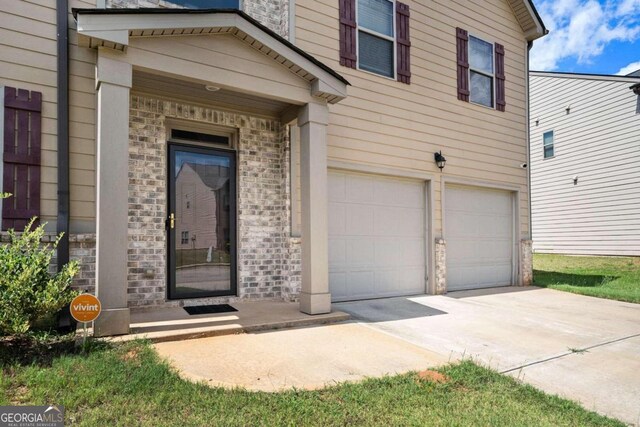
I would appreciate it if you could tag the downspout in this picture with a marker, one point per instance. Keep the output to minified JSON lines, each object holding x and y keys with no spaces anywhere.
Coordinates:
{"x":528,"y":121}
{"x":62,"y":10}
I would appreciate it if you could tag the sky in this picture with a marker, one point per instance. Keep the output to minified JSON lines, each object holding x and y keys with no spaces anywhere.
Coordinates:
{"x":588,"y":36}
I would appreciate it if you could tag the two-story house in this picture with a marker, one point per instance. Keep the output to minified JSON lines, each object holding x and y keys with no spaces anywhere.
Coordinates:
{"x":585,"y":163}
{"x":350,"y":149}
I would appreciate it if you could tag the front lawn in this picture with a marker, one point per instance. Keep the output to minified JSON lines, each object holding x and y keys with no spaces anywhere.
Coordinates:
{"x":605,"y":277}
{"x":128,"y":385}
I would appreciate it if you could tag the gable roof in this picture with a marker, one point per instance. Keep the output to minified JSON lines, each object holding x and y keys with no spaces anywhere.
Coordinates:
{"x":113,"y":27}
{"x":528,"y":18}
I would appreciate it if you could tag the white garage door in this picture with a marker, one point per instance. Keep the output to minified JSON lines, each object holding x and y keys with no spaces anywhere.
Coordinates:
{"x":479,"y":236}
{"x":376,"y":236}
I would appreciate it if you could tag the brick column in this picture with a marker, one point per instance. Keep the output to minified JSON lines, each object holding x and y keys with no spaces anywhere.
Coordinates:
{"x":113,"y":81}
{"x":314,"y":297}
{"x":526,"y":263}
{"x":441,"y":266}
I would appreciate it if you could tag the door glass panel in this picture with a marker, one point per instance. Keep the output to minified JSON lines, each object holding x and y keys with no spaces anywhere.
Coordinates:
{"x":202,"y":234}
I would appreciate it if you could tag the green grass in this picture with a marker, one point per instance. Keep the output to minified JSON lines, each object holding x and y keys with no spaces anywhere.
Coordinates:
{"x":128,"y":385}
{"x":604,"y":277}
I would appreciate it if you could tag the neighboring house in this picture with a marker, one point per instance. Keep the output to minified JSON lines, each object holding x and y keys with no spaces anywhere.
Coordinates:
{"x":327,"y":116}
{"x":585,"y":163}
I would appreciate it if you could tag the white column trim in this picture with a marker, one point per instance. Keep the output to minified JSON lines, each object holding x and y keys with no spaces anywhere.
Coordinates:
{"x":113,"y":80}
{"x":314,"y":297}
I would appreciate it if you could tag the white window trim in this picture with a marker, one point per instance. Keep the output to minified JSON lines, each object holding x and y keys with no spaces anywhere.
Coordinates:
{"x":493,"y":75}
{"x":553,"y":144}
{"x":382,"y":36}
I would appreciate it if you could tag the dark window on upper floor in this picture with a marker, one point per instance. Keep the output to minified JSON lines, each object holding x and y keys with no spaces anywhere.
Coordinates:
{"x":374,"y":37}
{"x":481,"y":72}
{"x":207,"y":4}
{"x":547,"y":144}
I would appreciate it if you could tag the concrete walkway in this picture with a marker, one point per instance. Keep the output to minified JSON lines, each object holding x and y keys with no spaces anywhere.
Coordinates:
{"x":174,"y":324}
{"x":304,"y":358}
{"x":586,"y":349}
{"x":583,"y":348}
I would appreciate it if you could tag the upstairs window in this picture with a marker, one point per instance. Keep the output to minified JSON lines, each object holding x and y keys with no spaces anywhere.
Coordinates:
{"x":547,"y":144}
{"x":207,"y":4}
{"x":481,"y":72}
{"x":376,"y":37}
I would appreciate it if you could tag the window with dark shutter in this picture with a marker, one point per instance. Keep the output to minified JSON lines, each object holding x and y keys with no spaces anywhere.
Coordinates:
{"x":348,"y":56}
{"x":21,"y":157}
{"x":403,"y":42}
{"x":500,"y":78}
{"x":462,"y":38}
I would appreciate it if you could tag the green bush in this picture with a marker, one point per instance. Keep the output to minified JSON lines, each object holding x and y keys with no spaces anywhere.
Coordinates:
{"x":30,"y":295}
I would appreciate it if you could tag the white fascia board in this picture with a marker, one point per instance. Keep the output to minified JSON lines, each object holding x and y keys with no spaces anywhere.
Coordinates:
{"x":539,"y":31}
{"x":611,"y":78}
{"x":328,"y":83}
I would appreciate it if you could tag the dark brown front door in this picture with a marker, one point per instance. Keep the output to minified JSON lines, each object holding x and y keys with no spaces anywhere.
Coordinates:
{"x":202,"y":222}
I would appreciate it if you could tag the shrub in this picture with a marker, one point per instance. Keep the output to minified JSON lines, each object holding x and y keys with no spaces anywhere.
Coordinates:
{"x":30,"y":295}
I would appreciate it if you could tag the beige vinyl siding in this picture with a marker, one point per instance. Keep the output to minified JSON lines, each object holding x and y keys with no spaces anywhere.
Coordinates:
{"x":389,"y":124}
{"x":597,"y":142}
{"x":28,"y":61}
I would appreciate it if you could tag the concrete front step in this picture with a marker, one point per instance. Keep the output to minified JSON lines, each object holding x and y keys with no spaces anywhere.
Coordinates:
{"x":174,"y":324}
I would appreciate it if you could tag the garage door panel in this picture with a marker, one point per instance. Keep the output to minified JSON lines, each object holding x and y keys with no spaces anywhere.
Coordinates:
{"x":413,"y":252}
{"x":397,"y":193}
{"x":360,"y":220}
{"x":479,"y":235}
{"x":387,"y":253}
{"x":361,"y":252}
{"x":377,"y":231}
{"x":360,"y":189}
{"x":337,"y":252}
{"x":338,"y":223}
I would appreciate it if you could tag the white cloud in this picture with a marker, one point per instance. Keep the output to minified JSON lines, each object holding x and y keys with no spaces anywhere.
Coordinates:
{"x":581,"y":29}
{"x":634,"y":66}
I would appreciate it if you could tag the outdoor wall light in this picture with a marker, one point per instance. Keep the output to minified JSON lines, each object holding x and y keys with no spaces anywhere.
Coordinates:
{"x":440,"y":160}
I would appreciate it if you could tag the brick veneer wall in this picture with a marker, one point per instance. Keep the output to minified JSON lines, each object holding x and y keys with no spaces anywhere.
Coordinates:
{"x":268,"y":259}
{"x":441,"y":266}
{"x":273,"y":14}
{"x":526,"y":263}
{"x":82,"y":248}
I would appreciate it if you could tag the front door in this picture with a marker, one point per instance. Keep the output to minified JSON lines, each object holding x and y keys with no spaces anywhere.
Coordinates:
{"x":202,"y":222}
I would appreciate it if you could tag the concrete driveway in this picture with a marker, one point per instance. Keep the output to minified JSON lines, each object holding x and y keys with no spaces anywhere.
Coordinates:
{"x":583,"y":348}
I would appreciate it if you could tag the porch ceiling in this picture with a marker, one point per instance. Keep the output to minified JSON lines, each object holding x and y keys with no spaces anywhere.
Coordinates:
{"x":113,"y":28}
{"x":188,"y":91}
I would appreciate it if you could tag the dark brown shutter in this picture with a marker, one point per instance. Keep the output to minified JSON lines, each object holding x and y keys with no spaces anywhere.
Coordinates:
{"x":21,"y":157}
{"x":404,"y":43}
{"x":500,"y":96}
{"x":462,"y":38}
{"x":348,"y":55}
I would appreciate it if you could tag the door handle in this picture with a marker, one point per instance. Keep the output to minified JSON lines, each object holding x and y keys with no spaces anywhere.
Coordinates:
{"x":172,"y":221}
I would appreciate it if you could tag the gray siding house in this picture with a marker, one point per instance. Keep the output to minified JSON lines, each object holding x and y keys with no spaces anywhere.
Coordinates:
{"x":585,"y":163}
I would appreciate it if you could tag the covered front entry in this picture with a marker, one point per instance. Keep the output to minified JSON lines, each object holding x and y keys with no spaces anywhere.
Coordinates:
{"x":202,"y":218}
{"x":377,"y":232}
{"x":218,"y":68}
{"x":479,"y":230}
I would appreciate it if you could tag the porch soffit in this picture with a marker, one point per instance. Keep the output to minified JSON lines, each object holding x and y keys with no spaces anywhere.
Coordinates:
{"x":113,"y":28}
